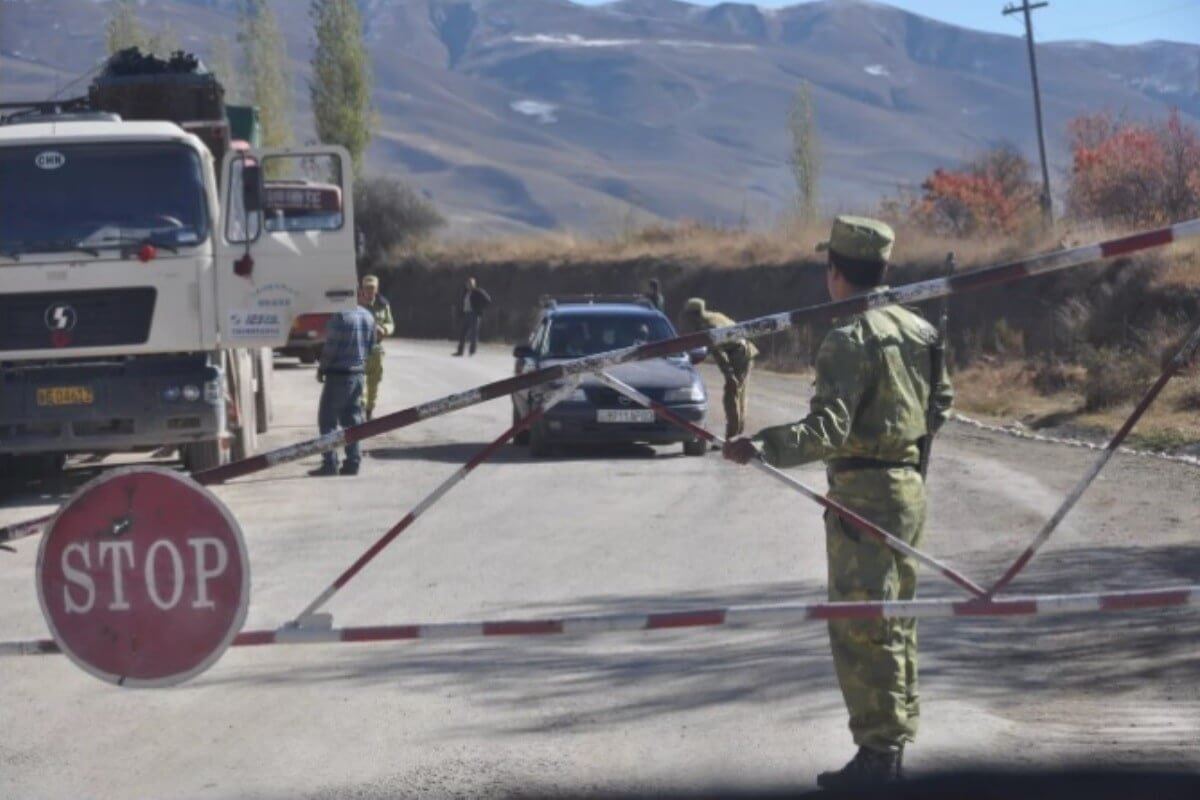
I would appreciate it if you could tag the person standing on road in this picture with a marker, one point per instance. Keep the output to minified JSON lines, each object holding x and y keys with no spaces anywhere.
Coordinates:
{"x":874,"y":401}
{"x":385,"y":326}
{"x":655,"y":296}
{"x":734,"y":358}
{"x":349,"y":339}
{"x":474,"y":302}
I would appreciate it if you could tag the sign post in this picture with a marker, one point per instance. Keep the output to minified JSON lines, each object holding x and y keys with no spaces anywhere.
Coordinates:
{"x":143,"y":577}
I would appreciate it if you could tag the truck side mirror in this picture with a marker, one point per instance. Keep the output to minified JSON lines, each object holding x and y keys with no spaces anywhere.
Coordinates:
{"x":252,"y":188}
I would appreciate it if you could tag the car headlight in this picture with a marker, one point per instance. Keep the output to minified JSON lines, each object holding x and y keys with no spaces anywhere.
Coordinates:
{"x":688,"y":394}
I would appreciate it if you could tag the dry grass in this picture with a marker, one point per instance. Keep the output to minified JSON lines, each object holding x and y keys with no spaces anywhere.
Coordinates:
{"x":1008,"y":391}
{"x":1182,"y":265}
{"x":694,"y":243}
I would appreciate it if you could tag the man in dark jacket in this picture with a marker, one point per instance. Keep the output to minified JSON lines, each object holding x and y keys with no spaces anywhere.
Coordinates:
{"x":471,"y":306}
{"x":655,"y":296}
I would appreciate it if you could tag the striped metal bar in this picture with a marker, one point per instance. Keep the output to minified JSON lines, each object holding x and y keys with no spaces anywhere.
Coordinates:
{"x":1186,"y":353}
{"x":860,"y":522}
{"x":727,"y":616}
{"x":969,"y":281}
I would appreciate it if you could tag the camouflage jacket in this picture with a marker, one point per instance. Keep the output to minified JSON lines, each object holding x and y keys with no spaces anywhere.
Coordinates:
{"x":871,"y":394}
{"x":706,"y":321}
{"x":381,"y":309}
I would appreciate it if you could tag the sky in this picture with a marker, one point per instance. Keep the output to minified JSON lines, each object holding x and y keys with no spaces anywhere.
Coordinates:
{"x":1113,"y":21}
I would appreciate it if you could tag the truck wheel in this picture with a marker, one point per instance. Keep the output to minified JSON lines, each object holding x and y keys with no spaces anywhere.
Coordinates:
{"x":245,"y":438}
{"x":539,"y":447}
{"x":200,"y":456}
{"x":695,"y":447}
{"x":522,"y":438}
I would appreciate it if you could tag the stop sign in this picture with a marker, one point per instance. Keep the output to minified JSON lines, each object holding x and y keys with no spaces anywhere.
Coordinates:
{"x":143,"y":577}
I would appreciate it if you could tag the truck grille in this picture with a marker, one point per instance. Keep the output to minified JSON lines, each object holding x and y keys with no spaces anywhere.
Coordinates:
{"x":69,"y":320}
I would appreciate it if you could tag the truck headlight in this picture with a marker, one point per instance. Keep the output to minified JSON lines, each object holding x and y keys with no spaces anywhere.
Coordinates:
{"x":171,"y":394}
{"x":191,"y":393}
{"x":688,"y":394}
{"x":212,"y":391}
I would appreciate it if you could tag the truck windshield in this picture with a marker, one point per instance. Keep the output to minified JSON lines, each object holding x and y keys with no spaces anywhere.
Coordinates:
{"x":88,"y":196}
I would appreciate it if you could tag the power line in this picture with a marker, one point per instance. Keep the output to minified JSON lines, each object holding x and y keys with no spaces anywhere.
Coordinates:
{"x":1193,"y":5}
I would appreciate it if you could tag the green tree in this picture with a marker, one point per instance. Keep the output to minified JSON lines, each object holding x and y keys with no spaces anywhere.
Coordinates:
{"x":265,"y":58}
{"x":341,"y":81}
{"x":805,"y":157}
{"x":220,"y":64}
{"x":123,"y":30}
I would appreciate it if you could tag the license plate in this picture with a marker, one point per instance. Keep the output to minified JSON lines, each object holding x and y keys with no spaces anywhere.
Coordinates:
{"x":624,"y":415}
{"x":66,"y":396}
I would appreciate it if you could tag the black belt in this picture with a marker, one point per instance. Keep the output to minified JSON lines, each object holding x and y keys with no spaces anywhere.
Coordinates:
{"x":346,"y":372}
{"x":851,"y":464}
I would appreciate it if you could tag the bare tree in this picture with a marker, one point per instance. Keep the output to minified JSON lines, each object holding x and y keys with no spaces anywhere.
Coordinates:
{"x":805,"y":156}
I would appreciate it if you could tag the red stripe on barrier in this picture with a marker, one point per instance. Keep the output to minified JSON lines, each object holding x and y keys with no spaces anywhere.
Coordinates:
{"x":252,"y":638}
{"x":537,"y":627}
{"x":381,"y":633}
{"x":1138,"y":241}
{"x":995,"y":608}
{"x":1175,"y":597}
{"x":685,"y":619}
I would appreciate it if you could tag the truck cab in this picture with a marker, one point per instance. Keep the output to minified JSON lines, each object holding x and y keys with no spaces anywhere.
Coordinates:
{"x":143,"y":284}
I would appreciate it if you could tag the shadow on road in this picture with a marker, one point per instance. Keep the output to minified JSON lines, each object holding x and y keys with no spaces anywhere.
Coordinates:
{"x":23,"y":492}
{"x":461,"y":452}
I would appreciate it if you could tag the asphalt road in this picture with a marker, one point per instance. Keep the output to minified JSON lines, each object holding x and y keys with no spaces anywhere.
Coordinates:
{"x":591,"y":531}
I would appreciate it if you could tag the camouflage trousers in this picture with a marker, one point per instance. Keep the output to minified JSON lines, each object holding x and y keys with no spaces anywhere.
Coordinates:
{"x":876,"y":660}
{"x":374,"y":370}
{"x":737,"y":376}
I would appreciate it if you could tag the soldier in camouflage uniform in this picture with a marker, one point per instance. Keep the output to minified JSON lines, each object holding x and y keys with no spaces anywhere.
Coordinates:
{"x":734,"y":359}
{"x":870,"y":415}
{"x":377,"y":304}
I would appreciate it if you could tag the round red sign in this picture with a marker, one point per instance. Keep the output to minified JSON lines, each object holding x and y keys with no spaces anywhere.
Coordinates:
{"x":143,"y":577}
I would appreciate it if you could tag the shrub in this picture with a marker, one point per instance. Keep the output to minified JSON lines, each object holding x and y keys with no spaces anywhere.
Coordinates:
{"x":992,"y":195}
{"x":1115,"y":376}
{"x":389,"y":214}
{"x":1134,"y":173}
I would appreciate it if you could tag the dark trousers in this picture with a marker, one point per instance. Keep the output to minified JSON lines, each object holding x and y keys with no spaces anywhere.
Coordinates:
{"x":470,"y":327}
{"x":341,"y":405}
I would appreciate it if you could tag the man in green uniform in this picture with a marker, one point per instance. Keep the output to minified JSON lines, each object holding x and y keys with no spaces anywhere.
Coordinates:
{"x":874,"y":403}
{"x":734,"y":358}
{"x":370,"y":299}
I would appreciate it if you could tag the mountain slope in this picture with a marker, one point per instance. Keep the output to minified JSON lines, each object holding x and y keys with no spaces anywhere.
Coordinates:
{"x":518,"y":114}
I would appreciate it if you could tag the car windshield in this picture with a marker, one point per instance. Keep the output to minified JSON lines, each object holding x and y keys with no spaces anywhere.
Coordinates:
{"x":585,"y":335}
{"x":74,"y":196}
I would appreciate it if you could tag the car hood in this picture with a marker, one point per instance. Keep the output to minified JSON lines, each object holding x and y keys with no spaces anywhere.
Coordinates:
{"x":655,"y":373}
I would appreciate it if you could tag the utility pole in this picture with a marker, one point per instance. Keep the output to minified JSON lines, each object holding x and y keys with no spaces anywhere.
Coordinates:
{"x":1026,"y":7}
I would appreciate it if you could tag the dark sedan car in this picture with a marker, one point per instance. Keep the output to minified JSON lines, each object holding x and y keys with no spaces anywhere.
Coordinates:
{"x":596,"y":413}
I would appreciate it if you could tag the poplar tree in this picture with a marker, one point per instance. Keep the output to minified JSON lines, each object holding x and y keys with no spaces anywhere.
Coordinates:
{"x":122,"y":30}
{"x":341,"y":78}
{"x":220,"y":64}
{"x":265,"y":58}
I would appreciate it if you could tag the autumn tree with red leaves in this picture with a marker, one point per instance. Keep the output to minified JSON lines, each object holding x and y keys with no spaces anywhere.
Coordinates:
{"x":993,"y":195}
{"x":1134,"y":173}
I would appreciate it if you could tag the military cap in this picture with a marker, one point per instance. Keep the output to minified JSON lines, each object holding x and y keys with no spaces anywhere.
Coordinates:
{"x":694,"y":305}
{"x":370,"y":281}
{"x":860,"y":238}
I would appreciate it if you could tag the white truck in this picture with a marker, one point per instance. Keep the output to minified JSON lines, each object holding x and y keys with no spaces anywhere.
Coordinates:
{"x":144,"y":283}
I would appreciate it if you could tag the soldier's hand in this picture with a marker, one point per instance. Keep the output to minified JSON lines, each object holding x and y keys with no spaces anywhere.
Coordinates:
{"x":740,"y":450}
{"x":380,"y":332}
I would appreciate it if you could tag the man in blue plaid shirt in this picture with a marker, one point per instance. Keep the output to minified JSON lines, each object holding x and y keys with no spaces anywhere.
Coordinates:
{"x":349,"y":336}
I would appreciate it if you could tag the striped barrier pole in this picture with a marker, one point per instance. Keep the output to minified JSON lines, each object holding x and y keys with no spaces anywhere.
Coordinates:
{"x":727,"y":616}
{"x":860,"y":522}
{"x":959,"y":283}
{"x":437,"y":494}
{"x":1180,"y":360}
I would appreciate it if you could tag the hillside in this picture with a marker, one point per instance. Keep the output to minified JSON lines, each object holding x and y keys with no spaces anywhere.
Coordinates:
{"x":532,"y":114}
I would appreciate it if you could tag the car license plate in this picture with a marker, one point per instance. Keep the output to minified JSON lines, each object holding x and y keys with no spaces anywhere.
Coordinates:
{"x":624,"y":415}
{"x":66,"y":396}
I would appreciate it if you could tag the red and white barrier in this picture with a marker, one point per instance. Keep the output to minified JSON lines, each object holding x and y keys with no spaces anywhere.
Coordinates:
{"x":728,"y":616}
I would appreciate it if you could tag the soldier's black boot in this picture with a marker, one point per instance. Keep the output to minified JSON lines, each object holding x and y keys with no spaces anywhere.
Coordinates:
{"x":867,"y":768}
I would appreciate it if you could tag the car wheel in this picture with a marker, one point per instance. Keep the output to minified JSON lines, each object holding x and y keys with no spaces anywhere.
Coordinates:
{"x":695,"y":447}
{"x":522,"y":438}
{"x":539,"y":446}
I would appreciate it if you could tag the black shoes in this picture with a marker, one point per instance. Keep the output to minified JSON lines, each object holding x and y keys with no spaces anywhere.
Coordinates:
{"x":323,"y":471}
{"x":348,"y":469}
{"x":459,"y":353}
{"x":867,"y":769}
